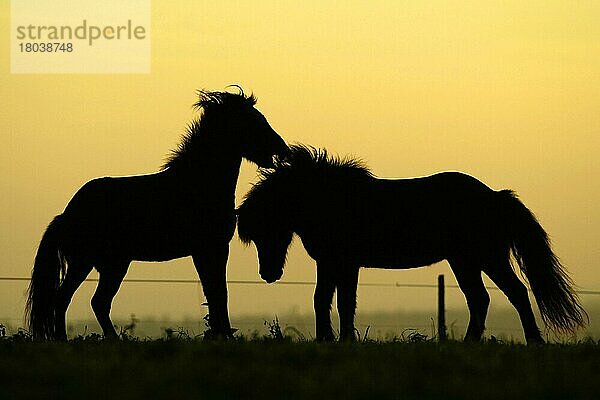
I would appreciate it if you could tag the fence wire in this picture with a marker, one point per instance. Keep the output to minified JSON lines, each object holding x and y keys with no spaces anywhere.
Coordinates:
{"x":299,"y":283}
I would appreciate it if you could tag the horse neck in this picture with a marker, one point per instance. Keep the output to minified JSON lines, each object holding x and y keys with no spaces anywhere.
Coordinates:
{"x":210,"y":169}
{"x":220,"y":170}
{"x":212,"y":162}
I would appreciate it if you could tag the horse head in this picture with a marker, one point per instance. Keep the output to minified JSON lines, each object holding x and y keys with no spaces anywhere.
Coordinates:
{"x":241,"y":126}
{"x":262,"y":221}
{"x":272,"y":254}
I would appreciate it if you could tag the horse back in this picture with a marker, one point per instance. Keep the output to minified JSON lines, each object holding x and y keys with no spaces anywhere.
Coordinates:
{"x":398,"y":223}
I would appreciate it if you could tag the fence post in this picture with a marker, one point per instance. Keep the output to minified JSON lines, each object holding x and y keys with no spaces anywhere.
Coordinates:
{"x":442,"y":335}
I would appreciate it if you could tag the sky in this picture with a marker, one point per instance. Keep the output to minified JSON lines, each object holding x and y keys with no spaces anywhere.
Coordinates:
{"x":507,"y":91}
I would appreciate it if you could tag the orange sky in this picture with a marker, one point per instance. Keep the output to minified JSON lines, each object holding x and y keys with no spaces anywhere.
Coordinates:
{"x":508,"y":93}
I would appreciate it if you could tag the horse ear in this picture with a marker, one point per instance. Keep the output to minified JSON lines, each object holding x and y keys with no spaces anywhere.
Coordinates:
{"x":251,"y":99}
{"x":238,"y":87}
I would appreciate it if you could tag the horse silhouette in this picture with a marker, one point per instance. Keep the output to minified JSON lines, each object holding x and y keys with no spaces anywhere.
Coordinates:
{"x":187,"y":208}
{"x":347,"y":219}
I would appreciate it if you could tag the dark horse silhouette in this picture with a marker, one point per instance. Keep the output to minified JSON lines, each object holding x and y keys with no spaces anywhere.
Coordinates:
{"x":348,"y":219}
{"x":185,"y":209}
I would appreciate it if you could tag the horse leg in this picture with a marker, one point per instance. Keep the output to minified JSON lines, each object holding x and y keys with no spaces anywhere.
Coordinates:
{"x":322,"y":303}
{"x":505,"y":278}
{"x":478,"y":300}
{"x":77,"y":271}
{"x":346,"y":302}
{"x":111,"y":277}
{"x":211,"y":265}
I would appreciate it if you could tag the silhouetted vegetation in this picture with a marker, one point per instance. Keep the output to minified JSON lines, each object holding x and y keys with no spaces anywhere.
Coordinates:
{"x":280,"y":364}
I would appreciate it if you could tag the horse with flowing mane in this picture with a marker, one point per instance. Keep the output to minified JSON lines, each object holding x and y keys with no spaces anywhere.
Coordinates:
{"x":187,"y":208}
{"x":347,"y":219}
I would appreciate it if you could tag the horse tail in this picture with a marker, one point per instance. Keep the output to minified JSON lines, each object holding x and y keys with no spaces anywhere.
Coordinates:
{"x":551,"y":285}
{"x":48,"y":270}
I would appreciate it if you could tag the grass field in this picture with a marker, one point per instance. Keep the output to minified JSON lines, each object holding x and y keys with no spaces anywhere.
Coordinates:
{"x":272,"y":367}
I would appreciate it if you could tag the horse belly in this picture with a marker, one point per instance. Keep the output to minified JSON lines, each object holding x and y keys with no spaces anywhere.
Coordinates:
{"x":400,"y":254}
{"x":158,"y":247}
{"x":176,"y":239}
{"x":143,"y":238}
{"x":402,"y":262}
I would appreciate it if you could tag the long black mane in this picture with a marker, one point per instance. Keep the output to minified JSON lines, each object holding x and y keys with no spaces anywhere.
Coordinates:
{"x":305,"y":166}
{"x":307,"y":162}
{"x":208,"y":103}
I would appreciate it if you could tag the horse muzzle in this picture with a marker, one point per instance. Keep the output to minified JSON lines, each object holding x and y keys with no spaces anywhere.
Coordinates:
{"x":270,"y":278}
{"x":283,"y":152}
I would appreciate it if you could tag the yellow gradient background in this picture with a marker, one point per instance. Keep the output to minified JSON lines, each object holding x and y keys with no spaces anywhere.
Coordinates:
{"x":506,"y":91}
